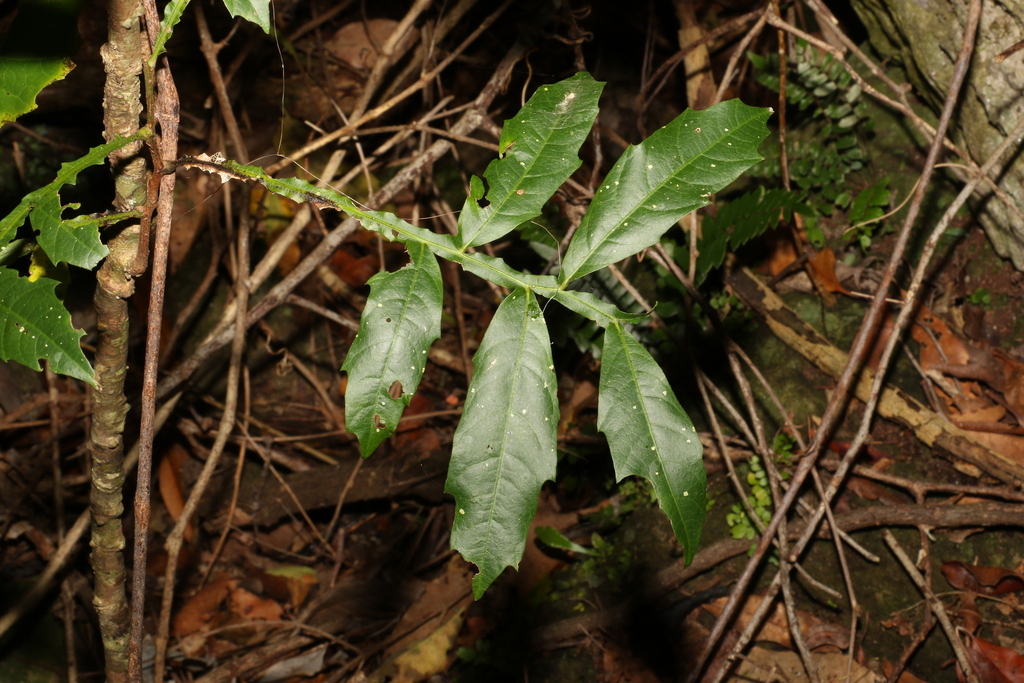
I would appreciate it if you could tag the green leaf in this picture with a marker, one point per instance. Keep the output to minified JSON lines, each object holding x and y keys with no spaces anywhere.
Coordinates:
{"x":293,"y":571}
{"x":35,"y":51}
{"x":256,"y":11}
{"x":15,"y":249}
{"x":670,"y":174}
{"x":741,"y":220}
{"x":870,"y":201}
{"x":504,"y":448}
{"x":402,"y":318}
{"x":77,"y":241}
{"x":34,"y":324}
{"x":500,"y":273}
{"x":590,"y":306}
{"x":649,"y":434}
{"x":553,"y":538}
{"x":540,"y":150}
{"x":172,"y":15}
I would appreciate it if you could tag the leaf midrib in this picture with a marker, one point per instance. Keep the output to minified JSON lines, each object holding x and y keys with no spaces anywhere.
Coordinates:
{"x":647,"y":417}
{"x":394,"y":340}
{"x":584,"y":262}
{"x":505,"y":424}
{"x":526,"y":171}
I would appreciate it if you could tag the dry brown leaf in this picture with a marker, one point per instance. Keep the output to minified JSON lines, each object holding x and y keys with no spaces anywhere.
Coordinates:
{"x":169,"y":475}
{"x":783,"y":253}
{"x":583,"y":395}
{"x":956,"y":352}
{"x":287,"y":583}
{"x":252,"y":607}
{"x":994,"y":663}
{"x":352,"y":44}
{"x":452,"y":590}
{"x":354,"y":270}
{"x":414,"y":436}
{"x":993,"y":413}
{"x":871,"y":490}
{"x":960,"y":535}
{"x":202,"y":607}
{"x":1009,"y":445}
{"x":902,"y":625}
{"x":905,"y":677}
{"x":970,"y":613}
{"x":880,"y":342}
{"x":1014,"y":391}
{"x":619,"y":665}
{"x":775,"y":628}
{"x":535,"y":564}
{"x":189,"y":215}
{"x":774,"y":665}
{"x":984,"y":580}
{"x":824,"y":264}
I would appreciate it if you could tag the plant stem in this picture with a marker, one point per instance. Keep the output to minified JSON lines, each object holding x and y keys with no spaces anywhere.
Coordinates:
{"x":107,"y":447}
{"x":122,"y":105}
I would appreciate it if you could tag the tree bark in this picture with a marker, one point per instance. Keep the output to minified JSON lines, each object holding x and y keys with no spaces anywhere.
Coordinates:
{"x":122,"y":105}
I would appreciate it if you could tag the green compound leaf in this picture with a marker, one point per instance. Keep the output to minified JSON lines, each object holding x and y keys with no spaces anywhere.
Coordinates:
{"x":36,"y":51}
{"x":650,"y":435}
{"x":76,"y":241}
{"x":256,"y":11}
{"x":34,"y":324}
{"x":504,"y":447}
{"x":670,"y":174}
{"x":741,"y":220}
{"x":402,"y":318}
{"x":540,"y":149}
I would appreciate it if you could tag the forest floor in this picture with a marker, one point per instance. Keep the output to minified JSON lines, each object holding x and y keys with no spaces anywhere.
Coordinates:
{"x":307,"y":563}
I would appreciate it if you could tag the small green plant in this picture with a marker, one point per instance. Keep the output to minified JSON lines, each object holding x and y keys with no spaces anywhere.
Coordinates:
{"x":865,"y":212}
{"x":760,"y":500}
{"x":981,"y":297}
{"x":783,"y":447}
{"x":505,"y":446}
{"x":830,"y":113}
{"x":724,"y":301}
{"x":741,"y":220}
{"x":479,"y":654}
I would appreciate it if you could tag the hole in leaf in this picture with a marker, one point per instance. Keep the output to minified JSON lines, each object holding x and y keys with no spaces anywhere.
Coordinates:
{"x":395,"y":391}
{"x":478,"y":190}
{"x":387,"y":320}
{"x":377,"y":422}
